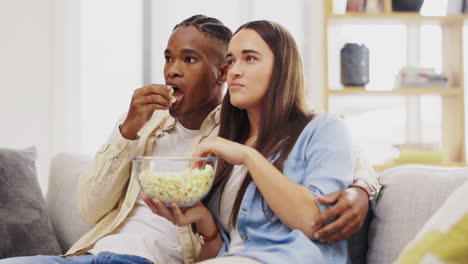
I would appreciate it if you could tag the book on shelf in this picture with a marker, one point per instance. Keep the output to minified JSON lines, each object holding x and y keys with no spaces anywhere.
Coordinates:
{"x":374,"y":6}
{"x":356,"y":6}
{"x":415,"y":77}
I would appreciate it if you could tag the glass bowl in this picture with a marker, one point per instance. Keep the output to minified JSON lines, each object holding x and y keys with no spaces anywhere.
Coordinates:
{"x":183,"y":180}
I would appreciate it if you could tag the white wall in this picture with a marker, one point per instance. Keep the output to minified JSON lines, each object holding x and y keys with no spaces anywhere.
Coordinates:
{"x":26,"y":76}
{"x":64,"y":111}
{"x":67,"y":72}
{"x":111,"y":66}
{"x":314,"y":53}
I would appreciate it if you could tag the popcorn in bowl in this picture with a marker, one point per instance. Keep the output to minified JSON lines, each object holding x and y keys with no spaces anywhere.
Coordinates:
{"x":176,"y":179}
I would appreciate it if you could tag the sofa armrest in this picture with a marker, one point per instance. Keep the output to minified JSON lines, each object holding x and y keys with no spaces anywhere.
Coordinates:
{"x":61,"y":202}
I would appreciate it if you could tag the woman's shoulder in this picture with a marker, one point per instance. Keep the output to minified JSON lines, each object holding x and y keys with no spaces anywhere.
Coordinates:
{"x":324,"y":133}
{"x":325,"y":123}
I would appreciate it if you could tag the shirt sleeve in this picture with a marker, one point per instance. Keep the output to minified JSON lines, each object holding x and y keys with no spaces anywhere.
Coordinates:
{"x":102,"y":183}
{"x":329,"y":157}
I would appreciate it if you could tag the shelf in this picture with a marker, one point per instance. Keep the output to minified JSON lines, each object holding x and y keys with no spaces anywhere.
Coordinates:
{"x":404,"y":91}
{"x":452,"y":99}
{"x":395,"y":17}
{"x":380,"y":168}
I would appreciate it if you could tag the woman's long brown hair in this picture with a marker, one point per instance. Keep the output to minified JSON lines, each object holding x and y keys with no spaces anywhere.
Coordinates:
{"x":283,"y":115}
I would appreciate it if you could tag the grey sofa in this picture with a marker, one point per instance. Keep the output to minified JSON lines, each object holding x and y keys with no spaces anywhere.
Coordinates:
{"x":410,"y":195}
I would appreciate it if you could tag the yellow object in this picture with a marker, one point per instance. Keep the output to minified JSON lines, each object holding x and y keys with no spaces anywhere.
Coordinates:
{"x":450,"y":247}
{"x":444,"y":237}
{"x":420,"y":156}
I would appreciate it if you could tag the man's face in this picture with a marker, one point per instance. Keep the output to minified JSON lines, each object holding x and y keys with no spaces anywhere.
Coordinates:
{"x":192,"y":69}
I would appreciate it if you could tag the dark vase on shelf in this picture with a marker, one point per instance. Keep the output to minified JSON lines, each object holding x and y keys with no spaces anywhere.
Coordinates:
{"x":407,"y":5}
{"x":354,"y":60}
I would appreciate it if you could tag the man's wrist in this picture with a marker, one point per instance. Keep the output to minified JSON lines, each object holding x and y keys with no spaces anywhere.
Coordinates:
{"x":125,"y":133}
{"x":359,"y":183}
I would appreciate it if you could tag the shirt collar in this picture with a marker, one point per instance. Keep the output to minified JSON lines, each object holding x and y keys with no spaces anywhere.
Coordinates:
{"x":210,"y":121}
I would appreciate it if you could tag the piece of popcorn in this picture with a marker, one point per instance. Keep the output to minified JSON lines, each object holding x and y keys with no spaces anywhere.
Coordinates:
{"x":171,"y":94}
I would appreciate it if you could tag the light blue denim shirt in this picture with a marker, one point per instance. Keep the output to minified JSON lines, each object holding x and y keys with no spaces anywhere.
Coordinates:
{"x":322,"y":161}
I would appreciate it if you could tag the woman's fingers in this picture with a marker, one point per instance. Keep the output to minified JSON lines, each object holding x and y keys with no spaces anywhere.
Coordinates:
{"x":150,"y":203}
{"x":202,"y":150}
{"x":163,"y":210}
{"x":180,"y":219}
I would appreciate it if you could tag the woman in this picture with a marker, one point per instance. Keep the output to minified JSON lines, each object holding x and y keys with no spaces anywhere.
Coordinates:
{"x":276,"y":158}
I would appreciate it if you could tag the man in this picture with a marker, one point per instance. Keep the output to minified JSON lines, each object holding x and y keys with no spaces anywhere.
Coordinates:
{"x":126,"y":228}
{"x":127,"y":231}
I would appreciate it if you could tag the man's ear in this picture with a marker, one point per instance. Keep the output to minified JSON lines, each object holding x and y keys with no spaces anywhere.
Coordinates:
{"x":223,"y":73}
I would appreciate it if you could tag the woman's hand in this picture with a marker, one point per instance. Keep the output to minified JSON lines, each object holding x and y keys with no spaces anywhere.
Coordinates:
{"x":178,"y":216}
{"x":232,"y":152}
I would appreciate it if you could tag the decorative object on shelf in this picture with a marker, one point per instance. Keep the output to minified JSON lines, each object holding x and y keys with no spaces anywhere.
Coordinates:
{"x":414,"y":77}
{"x":354,"y":65}
{"x":455,"y":6}
{"x":374,"y":6}
{"x":407,"y":5}
{"x":356,"y":6}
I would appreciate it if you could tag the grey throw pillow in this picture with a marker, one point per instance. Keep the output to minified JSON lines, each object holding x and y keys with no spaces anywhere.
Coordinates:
{"x":25,"y":228}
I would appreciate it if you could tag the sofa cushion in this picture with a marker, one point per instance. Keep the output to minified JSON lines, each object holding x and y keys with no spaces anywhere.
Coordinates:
{"x":25,"y":228}
{"x":443,"y":239}
{"x":65,"y":170}
{"x":408,"y":198}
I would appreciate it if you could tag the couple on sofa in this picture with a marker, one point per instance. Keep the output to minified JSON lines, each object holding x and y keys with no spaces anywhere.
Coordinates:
{"x":284,"y":189}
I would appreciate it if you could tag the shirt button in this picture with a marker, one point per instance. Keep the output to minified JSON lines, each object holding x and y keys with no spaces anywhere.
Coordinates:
{"x":245,"y":238}
{"x":244,"y":208}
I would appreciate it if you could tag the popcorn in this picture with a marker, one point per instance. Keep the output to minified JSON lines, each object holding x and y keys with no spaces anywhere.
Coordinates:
{"x":185,"y":188}
{"x":171,"y":92}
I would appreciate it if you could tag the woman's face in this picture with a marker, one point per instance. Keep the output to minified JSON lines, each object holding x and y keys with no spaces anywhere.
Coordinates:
{"x":250,"y":63}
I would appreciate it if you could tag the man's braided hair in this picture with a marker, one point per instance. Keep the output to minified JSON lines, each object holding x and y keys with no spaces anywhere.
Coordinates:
{"x":210,"y":26}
